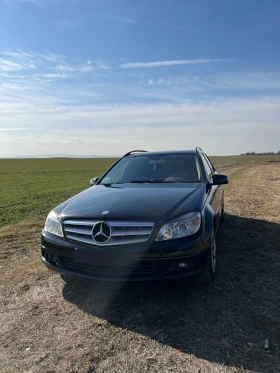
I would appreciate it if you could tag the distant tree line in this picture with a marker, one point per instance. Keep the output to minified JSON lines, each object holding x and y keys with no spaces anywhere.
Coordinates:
{"x":264,"y":153}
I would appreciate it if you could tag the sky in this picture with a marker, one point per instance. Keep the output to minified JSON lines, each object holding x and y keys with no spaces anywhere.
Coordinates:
{"x":105,"y":77}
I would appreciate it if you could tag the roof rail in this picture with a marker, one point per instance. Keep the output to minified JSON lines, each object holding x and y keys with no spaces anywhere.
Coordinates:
{"x":135,"y":151}
{"x":198,"y":148}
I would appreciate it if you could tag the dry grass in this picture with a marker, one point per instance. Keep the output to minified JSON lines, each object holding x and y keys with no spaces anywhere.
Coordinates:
{"x":49,"y":326}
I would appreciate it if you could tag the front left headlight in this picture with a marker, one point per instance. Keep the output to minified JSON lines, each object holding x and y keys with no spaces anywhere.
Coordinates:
{"x":53,"y":225}
{"x":183,"y":226}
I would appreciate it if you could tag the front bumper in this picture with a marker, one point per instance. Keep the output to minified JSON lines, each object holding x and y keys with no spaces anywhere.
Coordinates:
{"x":148,"y":262}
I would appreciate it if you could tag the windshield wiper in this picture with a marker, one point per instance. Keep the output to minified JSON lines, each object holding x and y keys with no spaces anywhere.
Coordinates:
{"x":149,"y":181}
{"x":109,"y":184}
{"x":143,"y":182}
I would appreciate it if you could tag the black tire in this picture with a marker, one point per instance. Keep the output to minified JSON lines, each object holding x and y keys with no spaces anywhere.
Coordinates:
{"x":208,"y":273}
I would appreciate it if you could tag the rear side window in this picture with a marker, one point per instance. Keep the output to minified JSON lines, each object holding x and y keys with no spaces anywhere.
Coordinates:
{"x":207,"y":167}
{"x":198,"y":168}
{"x":209,"y":163}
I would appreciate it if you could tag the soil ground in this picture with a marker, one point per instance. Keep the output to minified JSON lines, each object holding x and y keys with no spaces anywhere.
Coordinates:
{"x":48,"y":326}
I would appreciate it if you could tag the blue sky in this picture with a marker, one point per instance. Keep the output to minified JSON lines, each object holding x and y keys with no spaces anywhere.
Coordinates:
{"x":107,"y":76}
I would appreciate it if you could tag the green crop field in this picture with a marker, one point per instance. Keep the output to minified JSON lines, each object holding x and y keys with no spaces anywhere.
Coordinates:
{"x":32,"y":187}
{"x":244,"y":159}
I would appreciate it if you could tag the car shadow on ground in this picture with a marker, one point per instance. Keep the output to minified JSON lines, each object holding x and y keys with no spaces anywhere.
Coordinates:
{"x":225,"y":323}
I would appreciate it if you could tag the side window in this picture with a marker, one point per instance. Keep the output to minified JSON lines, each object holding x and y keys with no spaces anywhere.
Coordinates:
{"x":209,"y":162}
{"x":198,"y":168}
{"x":207,"y":167}
{"x":116,"y":174}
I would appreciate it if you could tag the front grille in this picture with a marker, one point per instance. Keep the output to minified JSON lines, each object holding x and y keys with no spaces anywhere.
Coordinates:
{"x":137,"y":269}
{"x":122,"y":233}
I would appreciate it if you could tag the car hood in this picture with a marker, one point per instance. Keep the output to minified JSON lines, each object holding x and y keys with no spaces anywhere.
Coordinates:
{"x":134,"y":202}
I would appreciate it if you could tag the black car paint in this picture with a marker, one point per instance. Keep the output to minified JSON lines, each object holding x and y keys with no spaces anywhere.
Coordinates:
{"x":159,"y":203}
{"x":154,"y":202}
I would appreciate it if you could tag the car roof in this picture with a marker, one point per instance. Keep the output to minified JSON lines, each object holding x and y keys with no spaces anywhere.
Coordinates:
{"x":170,"y":152}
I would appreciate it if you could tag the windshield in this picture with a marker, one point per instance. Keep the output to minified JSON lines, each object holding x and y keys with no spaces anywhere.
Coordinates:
{"x":166,"y":168}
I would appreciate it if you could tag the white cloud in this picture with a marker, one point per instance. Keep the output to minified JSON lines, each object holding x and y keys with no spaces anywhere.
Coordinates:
{"x":14,"y":60}
{"x":50,"y":57}
{"x":85,"y":68}
{"x":7,"y":65}
{"x":13,"y":129}
{"x":43,"y":66}
{"x":133,"y":65}
{"x":218,"y":112}
{"x":16,"y":54}
{"x":225,"y":82}
{"x":220,"y":126}
{"x":54,"y":76}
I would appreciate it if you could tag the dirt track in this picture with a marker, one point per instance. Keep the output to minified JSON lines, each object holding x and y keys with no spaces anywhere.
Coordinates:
{"x":49,"y":326}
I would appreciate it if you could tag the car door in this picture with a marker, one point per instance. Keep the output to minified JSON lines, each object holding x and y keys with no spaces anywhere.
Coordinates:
{"x":215,"y":192}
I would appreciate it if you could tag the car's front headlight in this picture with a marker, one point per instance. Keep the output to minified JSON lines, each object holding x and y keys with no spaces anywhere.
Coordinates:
{"x":53,"y":225}
{"x":183,"y":226}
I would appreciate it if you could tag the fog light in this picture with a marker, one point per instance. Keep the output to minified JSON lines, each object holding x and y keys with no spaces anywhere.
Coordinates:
{"x":47,"y":257}
{"x":182,"y":265}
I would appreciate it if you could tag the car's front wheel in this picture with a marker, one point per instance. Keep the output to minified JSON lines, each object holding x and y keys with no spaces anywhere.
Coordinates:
{"x":209,"y":271}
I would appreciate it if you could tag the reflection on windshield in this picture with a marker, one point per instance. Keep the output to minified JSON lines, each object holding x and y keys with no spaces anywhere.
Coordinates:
{"x":171,"y":168}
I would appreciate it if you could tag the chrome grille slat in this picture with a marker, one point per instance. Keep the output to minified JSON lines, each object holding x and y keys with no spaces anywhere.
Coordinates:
{"x":81,"y":222}
{"x":76,"y":238}
{"x":122,"y":233}
{"x":78,"y":230}
{"x":111,"y":223}
{"x":129,"y":224}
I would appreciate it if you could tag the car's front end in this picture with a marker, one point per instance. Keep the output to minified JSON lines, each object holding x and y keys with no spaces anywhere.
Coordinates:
{"x":146,"y":260}
{"x":117,"y":250}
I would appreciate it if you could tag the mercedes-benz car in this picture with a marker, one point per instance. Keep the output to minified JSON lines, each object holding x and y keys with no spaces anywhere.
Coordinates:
{"x":150,"y":216}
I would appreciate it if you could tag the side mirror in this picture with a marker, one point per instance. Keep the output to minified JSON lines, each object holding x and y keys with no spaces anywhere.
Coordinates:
{"x":93,"y":181}
{"x":219,"y":179}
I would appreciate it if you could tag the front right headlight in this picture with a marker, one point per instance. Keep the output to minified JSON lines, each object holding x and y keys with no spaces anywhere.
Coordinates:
{"x":183,"y":226}
{"x":53,"y":225}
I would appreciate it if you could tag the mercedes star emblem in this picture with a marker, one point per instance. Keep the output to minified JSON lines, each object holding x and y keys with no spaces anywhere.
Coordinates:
{"x":101,"y":232}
